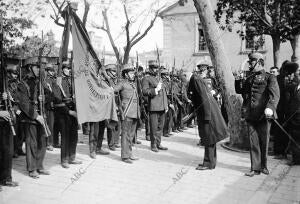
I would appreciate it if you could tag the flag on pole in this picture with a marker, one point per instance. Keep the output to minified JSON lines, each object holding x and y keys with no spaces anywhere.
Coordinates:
{"x":95,"y":100}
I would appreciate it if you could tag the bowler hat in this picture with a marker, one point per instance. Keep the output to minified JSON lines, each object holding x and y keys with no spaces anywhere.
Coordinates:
{"x":291,"y":67}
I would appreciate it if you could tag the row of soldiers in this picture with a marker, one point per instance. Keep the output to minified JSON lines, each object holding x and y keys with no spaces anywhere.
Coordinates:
{"x":156,"y":98}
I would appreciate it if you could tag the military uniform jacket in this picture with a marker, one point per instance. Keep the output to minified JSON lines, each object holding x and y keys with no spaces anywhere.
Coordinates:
{"x":260,"y":91}
{"x":129,"y":98}
{"x":157,"y":102}
{"x":48,"y":84}
{"x":26,"y":97}
{"x":60,"y":99}
{"x":214,"y":128}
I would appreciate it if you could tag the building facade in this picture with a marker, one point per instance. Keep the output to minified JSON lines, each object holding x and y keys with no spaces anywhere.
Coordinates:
{"x":184,"y":41}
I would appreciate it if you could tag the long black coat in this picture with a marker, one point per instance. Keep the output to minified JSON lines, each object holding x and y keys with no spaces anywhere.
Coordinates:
{"x":211,"y":125}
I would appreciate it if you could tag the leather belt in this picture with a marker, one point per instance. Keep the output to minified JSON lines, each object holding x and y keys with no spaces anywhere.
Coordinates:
{"x":59,"y":105}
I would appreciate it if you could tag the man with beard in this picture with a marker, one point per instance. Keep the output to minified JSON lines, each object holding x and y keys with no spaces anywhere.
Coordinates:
{"x":211,"y":125}
{"x":158,"y":105}
{"x":261,"y":95}
{"x":131,"y":111}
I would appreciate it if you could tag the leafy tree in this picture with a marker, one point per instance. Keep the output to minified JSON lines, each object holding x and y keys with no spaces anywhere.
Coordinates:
{"x":277,"y":18}
{"x":14,"y":22}
{"x":30,"y":46}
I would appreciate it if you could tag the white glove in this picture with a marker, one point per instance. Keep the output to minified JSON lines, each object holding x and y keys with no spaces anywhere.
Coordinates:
{"x":213,"y":92}
{"x":5,"y":115}
{"x":268,"y":112}
{"x":40,"y":119}
{"x":158,"y":88}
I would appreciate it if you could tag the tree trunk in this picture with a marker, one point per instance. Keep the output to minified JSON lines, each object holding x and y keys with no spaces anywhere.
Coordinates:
{"x":233,"y":102}
{"x":295,"y":43}
{"x":276,"y":49}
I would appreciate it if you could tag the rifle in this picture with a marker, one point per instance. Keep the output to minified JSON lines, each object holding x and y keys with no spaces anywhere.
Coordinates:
{"x":173,"y":68}
{"x":140,"y":91}
{"x":72,"y":81}
{"x":41,"y":94}
{"x":119,"y":102}
{"x":7,"y":102}
{"x":159,"y":71}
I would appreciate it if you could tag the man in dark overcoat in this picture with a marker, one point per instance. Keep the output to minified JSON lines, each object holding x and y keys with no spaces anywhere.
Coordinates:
{"x":211,"y":125}
{"x":293,"y":113}
{"x":158,"y":105}
{"x":261,"y":96}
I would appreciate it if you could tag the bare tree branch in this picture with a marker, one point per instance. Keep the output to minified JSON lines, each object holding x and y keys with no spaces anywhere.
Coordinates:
{"x":146,"y":30}
{"x":107,"y":30}
{"x":127,"y":26}
{"x":86,"y":11}
{"x":57,"y":14}
{"x":56,"y":20}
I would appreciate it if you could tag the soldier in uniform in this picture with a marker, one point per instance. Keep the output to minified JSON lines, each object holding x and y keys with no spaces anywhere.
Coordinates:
{"x":66,"y":116}
{"x":113,"y":132}
{"x":146,"y":108}
{"x":158,"y":105}
{"x":49,"y":102}
{"x":96,"y":134}
{"x":169,"y":115}
{"x":6,"y":145}
{"x":32,"y":122}
{"x":261,"y":96}
{"x":211,"y":125}
{"x":131,"y":111}
{"x":12,"y":82}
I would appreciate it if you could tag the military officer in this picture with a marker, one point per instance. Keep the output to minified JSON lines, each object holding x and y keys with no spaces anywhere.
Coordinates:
{"x":261,"y":96}
{"x":66,"y":116}
{"x":211,"y":125}
{"x":158,"y":105}
{"x":131,"y":111}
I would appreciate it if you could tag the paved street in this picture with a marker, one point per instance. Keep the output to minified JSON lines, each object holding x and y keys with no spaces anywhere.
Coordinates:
{"x":164,"y":177}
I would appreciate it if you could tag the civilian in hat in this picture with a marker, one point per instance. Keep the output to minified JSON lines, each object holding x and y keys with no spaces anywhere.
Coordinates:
{"x":280,"y":139}
{"x":262,"y":96}
{"x":294,"y":112}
